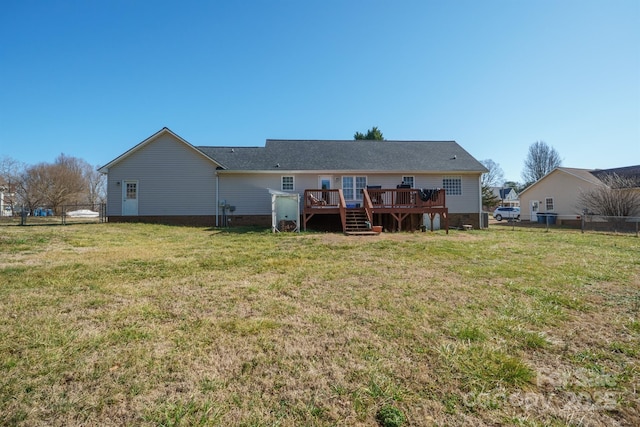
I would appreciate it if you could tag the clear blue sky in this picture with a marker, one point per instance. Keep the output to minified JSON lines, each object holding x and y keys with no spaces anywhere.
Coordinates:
{"x":91,"y":79}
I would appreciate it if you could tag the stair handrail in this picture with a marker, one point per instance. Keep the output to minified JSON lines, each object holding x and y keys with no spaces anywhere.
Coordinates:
{"x":368,"y":205}
{"x":343,"y":210}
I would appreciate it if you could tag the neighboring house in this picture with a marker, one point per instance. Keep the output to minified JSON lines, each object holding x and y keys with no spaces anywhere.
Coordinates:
{"x":6,"y":201}
{"x":508,"y":196}
{"x":558,"y":192}
{"x":166,"y":179}
{"x":2,"y":191}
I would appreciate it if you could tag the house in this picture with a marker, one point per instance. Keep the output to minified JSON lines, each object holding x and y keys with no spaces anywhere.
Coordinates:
{"x":508,"y":196}
{"x":558,"y":192}
{"x":167,"y":179}
{"x":6,"y":200}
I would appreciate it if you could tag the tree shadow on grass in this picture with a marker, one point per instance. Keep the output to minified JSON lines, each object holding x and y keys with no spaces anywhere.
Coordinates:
{"x":239,"y":230}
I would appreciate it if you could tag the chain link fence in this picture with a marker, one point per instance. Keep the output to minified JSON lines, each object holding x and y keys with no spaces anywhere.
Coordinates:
{"x":585,"y":223}
{"x":66,"y":214}
{"x":615,"y":224}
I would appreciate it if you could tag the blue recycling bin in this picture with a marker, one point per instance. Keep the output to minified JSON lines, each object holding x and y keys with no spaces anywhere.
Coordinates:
{"x":547,"y":218}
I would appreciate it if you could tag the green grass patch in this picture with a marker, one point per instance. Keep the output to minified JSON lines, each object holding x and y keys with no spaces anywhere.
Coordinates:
{"x":138,"y":324}
{"x":390,"y":416}
{"x":470,"y":333}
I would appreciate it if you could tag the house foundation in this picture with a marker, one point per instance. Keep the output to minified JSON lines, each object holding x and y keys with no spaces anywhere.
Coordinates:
{"x":190,"y":220}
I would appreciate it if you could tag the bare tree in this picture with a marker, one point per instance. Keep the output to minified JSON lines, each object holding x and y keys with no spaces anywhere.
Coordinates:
{"x":493,"y":178}
{"x":28,"y":187}
{"x":618,"y":196}
{"x":9,"y":177}
{"x":53,"y":184}
{"x":540,"y":160}
{"x":69,"y":181}
{"x":96,"y":182}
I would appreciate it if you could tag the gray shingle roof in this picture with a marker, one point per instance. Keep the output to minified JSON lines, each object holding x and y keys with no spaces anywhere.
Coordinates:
{"x":630,"y":172}
{"x":238,"y":158}
{"x":441,"y":156}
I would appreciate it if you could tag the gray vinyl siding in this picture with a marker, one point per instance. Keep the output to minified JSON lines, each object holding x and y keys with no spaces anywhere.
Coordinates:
{"x":114,"y":195}
{"x":248,"y":192}
{"x":172,"y":179}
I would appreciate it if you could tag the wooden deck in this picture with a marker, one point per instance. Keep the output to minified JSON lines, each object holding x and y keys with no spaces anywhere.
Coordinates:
{"x":398,"y":203}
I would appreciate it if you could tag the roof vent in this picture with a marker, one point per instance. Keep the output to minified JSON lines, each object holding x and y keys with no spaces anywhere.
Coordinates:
{"x":277,"y":165}
{"x":233,"y":151}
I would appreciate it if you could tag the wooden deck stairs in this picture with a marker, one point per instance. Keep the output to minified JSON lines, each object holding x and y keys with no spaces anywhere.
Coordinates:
{"x":357,"y":223}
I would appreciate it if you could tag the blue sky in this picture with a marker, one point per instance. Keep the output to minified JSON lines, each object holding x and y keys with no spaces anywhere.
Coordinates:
{"x":91,"y":79}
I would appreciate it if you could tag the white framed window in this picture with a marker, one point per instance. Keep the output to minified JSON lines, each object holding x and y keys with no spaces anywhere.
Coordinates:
{"x":548,"y":204}
{"x":287,"y":183}
{"x":132,"y":191}
{"x":408,"y":180}
{"x":352,"y":187}
{"x":452,"y":185}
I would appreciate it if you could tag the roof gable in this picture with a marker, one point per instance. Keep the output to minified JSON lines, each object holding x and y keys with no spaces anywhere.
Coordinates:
{"x":149,"y":140}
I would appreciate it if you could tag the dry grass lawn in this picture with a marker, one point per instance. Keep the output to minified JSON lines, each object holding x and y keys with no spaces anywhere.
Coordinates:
{"x":132,"y":324}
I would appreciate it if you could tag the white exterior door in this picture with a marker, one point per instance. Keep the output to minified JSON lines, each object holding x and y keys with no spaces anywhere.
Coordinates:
{"x":129,"y":198}
{"x":534,"y":208}
{"x":324,"y":182}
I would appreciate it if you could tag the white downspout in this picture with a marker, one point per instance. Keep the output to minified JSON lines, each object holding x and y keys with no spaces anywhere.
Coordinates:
{"x":217,"y":198}
{"x":480,"y":220}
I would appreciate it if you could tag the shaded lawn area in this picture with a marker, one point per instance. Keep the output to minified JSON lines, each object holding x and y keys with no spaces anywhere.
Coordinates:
{"x":120,"y":324}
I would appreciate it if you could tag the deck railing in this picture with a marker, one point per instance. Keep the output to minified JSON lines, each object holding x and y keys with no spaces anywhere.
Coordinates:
{"x":399,"y":198}
{"x":377,"y":198}
{"x":321,"y":198}
{"x":323,"y":202}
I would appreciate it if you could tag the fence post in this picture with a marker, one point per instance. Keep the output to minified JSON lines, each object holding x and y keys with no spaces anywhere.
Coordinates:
{"x":23,"y":216}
